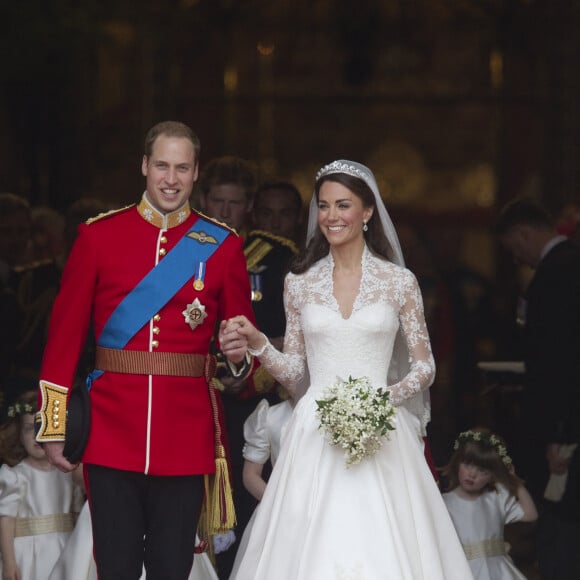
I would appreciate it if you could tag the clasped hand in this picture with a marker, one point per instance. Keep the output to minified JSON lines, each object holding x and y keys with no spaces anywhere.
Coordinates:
{"x":238,"y":334}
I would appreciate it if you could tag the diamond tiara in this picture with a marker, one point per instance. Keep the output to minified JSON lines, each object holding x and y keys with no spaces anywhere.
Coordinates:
{"x":341,"y":167}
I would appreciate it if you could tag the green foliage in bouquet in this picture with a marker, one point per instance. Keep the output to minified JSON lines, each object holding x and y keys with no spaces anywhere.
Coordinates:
{"x":356,"y":416}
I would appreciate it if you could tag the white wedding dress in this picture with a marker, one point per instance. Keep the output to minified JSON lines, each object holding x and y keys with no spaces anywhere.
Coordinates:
{"x":382,"y":518}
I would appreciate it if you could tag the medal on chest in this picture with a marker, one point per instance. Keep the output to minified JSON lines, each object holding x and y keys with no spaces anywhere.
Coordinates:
{"x":198,"y":283}
{"x":195,"y":314}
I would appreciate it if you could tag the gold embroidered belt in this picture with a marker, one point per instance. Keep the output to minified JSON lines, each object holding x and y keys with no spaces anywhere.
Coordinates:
{"x":138,"y":362}
{"x":36,"y":525}
{"x":492,"y":547}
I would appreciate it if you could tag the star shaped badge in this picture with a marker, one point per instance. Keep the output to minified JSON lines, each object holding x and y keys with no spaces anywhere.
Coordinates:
{"x":194,"y":314}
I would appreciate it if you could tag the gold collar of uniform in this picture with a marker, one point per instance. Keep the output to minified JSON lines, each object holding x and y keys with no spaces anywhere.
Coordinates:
{"x":160,"y":220}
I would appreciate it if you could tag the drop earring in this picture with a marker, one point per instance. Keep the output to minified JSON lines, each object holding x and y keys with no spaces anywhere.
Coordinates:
{"x":365,"y":227}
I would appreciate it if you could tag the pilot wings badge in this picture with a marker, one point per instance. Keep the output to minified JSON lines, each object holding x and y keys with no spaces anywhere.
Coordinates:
{"x":194,"y":314}
{"x":202,"y":237}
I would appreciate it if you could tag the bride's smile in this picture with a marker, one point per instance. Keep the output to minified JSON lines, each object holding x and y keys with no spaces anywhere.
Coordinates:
{"x":341,"y":214}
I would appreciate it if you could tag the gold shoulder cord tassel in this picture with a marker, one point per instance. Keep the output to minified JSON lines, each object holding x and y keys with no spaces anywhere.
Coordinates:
{"x":218,"y":513}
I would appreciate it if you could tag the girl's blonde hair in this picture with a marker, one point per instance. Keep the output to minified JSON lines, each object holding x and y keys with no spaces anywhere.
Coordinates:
{"x":12,"y":451}
{"x":487,"y":450}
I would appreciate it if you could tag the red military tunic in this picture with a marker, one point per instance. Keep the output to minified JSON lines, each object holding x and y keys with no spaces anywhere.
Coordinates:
{"x":159,"y":425}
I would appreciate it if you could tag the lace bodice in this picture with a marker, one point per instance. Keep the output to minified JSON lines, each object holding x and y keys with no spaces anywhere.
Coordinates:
{"x":319,"y":339}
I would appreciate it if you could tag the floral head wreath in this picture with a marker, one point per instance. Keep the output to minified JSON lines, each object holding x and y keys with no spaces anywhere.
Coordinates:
{"x":492,"y":441}
{"x":21,"y":409}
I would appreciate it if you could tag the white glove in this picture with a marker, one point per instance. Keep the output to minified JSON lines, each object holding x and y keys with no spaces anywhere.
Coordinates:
{"x":222,"y":542}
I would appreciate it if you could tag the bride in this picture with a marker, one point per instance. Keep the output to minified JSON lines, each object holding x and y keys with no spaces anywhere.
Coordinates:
{"x":352,"y":310}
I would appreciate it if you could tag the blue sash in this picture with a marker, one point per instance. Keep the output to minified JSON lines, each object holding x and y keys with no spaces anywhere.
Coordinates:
{"x":160,"y":285}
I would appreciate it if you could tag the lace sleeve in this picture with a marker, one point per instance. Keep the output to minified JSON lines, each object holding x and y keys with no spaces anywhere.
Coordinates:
{"x":288,"y":367}
{"x":414,"y":330}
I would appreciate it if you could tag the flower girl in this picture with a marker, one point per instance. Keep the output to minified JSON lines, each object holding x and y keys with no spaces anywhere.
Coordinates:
{"x":38,"y":503}
{"x":485,"y":494}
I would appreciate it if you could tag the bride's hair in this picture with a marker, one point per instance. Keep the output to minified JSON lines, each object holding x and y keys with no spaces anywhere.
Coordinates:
{"x":375,"y":238}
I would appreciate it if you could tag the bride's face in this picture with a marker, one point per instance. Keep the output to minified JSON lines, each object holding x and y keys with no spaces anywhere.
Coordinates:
{"x":341,"y":215}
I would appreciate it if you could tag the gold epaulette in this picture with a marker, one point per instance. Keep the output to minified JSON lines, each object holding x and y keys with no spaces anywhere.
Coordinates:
{"x":288,"y":243}
{"x":256,"y":251}
{"x":109,"y":213}
{"x":217,"y":222}
{"x":52,"y":414}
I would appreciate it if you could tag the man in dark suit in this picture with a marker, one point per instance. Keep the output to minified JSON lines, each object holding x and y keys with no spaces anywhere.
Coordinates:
{"x":551,"y":399}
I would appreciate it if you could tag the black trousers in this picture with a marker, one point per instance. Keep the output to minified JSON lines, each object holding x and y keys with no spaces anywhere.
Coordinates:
{"x":558,"y":545}
{"x":559,"y":531}
{"x":143,"y":519}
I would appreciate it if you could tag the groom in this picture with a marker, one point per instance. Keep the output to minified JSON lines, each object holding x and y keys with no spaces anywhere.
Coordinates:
{"x":153,"y":279}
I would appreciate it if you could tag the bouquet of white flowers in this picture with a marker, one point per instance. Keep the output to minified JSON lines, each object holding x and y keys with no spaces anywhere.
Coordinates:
{"x":355,"y":416}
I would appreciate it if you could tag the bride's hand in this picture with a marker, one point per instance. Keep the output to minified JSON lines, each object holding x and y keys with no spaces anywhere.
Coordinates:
{"x":243,"y":327}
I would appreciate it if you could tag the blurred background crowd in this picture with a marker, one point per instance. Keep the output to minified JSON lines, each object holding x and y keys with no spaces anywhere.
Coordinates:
{"x":458,"y":106}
